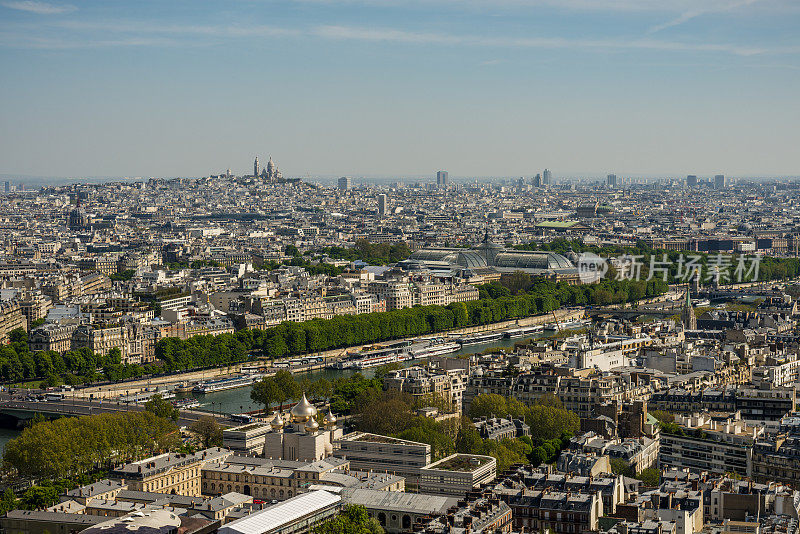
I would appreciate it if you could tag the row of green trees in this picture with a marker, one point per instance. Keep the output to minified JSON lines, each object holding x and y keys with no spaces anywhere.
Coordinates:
{"x":18,"y":362}
{"x":371,"y":253}
{"x":319,"y":335}
{"x":547,"y":417}
{"x":69,"y":447}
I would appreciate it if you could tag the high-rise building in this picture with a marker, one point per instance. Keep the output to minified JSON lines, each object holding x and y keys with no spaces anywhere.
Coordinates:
{"x":382,"y":202}
{"x":611,"y":180}
{"x":719,"y":181}
{"x":442,"y":177}
{"x":7,"y":187}
{"x":691,"y":181}
{"x":537,"y":180}
{"x":256,"y":168}
{"x":345,"y":183}
{"x":547,"y":176}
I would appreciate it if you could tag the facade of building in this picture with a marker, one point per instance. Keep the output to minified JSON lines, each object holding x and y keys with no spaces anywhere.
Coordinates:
{"x":401,"y":457}
{"x":457,"y":474}
{"x":170,"y":473}
{"x":716,"y":443}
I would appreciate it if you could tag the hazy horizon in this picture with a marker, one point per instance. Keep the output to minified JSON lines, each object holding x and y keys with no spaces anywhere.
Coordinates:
{"x":400,"y":88}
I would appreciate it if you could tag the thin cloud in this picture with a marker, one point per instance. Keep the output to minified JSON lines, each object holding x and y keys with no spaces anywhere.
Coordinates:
{"x":664,"y":6}
{"x":399,"y":36}
{"x":130,"y":33}
{"x":686,"y":16}
{"x":40,"y":8}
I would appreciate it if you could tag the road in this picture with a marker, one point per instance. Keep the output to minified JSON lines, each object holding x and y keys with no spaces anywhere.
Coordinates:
{"x":112,"y":391}
{"x":78,"y":406}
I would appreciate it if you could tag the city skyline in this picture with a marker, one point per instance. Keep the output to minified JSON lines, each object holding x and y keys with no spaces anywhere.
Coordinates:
{"x":398,"y":88}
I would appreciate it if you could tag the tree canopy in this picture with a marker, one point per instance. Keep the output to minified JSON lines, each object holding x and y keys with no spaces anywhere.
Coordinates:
{"x":74,"y":445}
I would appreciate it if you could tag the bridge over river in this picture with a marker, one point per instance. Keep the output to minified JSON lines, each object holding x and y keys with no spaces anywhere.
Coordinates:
{"x":20,"y":408}
{"x":661,"y":309}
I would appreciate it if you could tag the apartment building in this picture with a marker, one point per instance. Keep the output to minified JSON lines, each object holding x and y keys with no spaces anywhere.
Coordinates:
{"x":777,"y":459}
{"x":422,"y":382}
{"x":54,"y":337}
{"x":401,"y":457}
{"x":396,"y":294}
{"x":275,"y":480}
{"x":34,"y":305}
{"x":11,"y":318}
{"x":754,"y":404}
{"x":457,"y":474}
{"x":555,"y":511}
{"x":713,"y":442}
{"x":177,"y":473}
{"x":101,"y":340}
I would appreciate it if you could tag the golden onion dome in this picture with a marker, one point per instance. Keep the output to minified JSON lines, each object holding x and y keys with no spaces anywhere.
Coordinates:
{"x":330,"y":419}
{"x":277,"y":422}
{"x":312,"y":426}
{"x":303,"y":410}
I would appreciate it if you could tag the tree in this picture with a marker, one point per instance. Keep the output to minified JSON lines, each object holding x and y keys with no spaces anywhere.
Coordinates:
{"x":9,"y":501}
{"x":287,"y":386}
{"x":18,"y":335}
{"x":548,"y":423}
{"x":72,"y":446}
{"x":209,"y":431}
{"x":468,"y":441}
{"x":549,"y":399}
{"x":621,"y":467}
{"x":39,"y":497}
{"x":488,"y":405}
{"x":266,"y":392}
{"x":386,"y":412}
{"x":321,"y":389}
{"x":650,"y":477}
{"x":353,"y":519}
{"x":161,"y":408}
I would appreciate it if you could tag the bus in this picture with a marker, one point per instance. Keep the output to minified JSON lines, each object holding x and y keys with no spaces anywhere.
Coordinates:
{"x":242,"y":417}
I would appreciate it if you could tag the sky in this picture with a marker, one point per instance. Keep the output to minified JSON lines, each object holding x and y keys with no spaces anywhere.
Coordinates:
{"x":400,"y":87}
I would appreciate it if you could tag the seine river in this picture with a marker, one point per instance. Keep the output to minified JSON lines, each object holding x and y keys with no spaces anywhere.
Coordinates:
{"x":238,"y":400}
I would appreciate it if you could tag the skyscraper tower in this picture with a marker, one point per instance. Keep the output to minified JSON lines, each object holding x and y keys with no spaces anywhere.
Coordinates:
{"x":611,"y":180}
{"x":382,"y":204}
{"x":255,"y":167}
{"x":345,"y":183}
{"x":442,"y":178}
{"x":691,"y":181}
{"x":546,"y":177}
{"x":719,"y":181}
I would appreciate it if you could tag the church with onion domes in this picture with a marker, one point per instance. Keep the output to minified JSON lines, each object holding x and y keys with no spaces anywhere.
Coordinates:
{"x":298,"y":436}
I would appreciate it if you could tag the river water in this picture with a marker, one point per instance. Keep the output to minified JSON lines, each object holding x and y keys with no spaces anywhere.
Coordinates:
{"x":237,"y":400}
